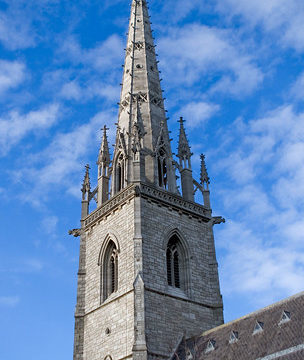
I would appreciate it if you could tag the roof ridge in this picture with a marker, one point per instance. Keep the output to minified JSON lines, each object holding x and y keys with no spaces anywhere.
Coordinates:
{"x":278,"y":303}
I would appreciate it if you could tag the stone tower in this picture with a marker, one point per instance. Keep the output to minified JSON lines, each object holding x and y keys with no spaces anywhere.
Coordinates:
{"x":147,"y":267}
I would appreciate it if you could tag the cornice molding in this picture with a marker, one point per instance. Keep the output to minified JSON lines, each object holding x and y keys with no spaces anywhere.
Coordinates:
{"x":163,"y":197}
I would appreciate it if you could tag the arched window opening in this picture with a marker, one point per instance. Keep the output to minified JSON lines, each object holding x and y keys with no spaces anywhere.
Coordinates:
{"x":176,"y":270}
{"x":169,"y":274}
{"x":109,"y":274}
{"x":120,"y":173}
{"x":175,"y":262}
{"x":162,"y":169}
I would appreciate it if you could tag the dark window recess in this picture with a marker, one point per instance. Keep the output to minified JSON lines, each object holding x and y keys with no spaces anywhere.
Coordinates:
{"x":173,"y":258}
{"x":162,"y":169}
{"x":112,"y":270}
{"x":176,"y":270}
{"x":109,"y":271}
{"x":169,"y":273}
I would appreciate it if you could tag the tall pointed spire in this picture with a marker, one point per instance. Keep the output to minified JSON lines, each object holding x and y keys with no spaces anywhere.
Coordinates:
{"x":141,"y":92}
{"x":103,"y":163}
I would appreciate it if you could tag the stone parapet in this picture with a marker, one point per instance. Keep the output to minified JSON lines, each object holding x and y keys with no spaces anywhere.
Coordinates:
{"x":163,"y":197}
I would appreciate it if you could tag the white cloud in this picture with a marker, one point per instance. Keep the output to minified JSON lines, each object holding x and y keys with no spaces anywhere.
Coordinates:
{"x":62,"y":162}
{"x":15,"y":126}
{"x":196,"y":51}
{"x":263,"y":192}
{"x":82,"y":82}
{"x":197,"y":113}
{"x":15,"y":29}
{"x":280,"y":17}
{"x":27,"y":265}
{"x":71,"y":90}
{"x":32,"y":265}
{"x":12,"y":73}
{"x":297,"y":90}
{"x":49,"y":224}
{"x":251,"y":266}
{"x":9,"y":301}
{"x":101,"y":57}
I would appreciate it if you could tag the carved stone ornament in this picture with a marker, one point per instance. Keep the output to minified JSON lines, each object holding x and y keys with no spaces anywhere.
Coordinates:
{"x":75,"y":232}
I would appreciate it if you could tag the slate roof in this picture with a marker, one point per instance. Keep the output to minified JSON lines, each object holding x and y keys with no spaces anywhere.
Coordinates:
{"x":261,"y":335}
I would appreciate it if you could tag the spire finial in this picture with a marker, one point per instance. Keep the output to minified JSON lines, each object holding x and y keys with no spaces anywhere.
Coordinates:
{"x":104,"y":158}
{"x":86,"y":185}
{"x":184,"y":151}
{"x":205,"y":180}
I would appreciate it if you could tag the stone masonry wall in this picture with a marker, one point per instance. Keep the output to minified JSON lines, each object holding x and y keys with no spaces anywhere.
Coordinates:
{"x":117,"y":312}
{"x":170,"y":312}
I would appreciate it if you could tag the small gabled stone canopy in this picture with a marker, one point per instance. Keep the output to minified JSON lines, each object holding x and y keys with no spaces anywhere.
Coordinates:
{"x":258,"y":327}
{"x":235,"y":340}
{"x":285,"y":317}
{"x":210,"y":346}
{"x":234,"y":336}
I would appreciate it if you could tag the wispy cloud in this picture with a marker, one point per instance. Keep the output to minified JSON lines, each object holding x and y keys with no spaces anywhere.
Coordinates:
{"x":88,"y":75}
{"x":103,"y":55}
{"x":297,"y":90}
{"x":61,"y":163}
{"x":281,"y":18}
{"x":15,"y":29}
{"x":196,"y":50}
{"x":23,"y":266}
{"x":49,"y":224}
{"x":15,"y":126}
{"x":197,"y":113}
{"x":263,"y":196}
{"x":9,"y":301}
{"x":12,"y":73}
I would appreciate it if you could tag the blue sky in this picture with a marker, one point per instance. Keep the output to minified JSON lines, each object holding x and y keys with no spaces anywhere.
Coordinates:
{"x":232,"y":68}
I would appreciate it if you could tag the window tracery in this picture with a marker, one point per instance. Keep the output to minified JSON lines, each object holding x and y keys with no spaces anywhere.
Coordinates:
{"x":174,"y":260}
{"x":109,"y":276}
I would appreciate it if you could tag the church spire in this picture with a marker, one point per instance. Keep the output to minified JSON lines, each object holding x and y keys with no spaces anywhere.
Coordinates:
{"x":141,"y":93}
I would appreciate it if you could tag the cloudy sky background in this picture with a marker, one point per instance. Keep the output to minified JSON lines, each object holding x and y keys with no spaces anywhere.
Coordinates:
{"x":232,"y":68}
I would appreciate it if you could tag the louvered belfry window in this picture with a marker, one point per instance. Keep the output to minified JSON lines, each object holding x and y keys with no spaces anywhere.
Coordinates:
{"x":110,"y":271}
{"x":173,"y":263}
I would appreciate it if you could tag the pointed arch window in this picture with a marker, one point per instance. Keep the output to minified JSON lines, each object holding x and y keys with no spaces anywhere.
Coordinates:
{"x":176,"y":264}
{"x":109,"y":274}
{"x":120,"y":173}
{"x":162,"y":168}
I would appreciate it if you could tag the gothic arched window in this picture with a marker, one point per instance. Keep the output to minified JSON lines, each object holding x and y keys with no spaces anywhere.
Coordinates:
{"x":175,"y":263}
{"x":109,"y":276}
{"x":162,"y":169}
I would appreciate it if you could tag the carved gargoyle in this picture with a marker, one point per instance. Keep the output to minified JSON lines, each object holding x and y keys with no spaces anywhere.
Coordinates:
{"x":75,"y":232}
